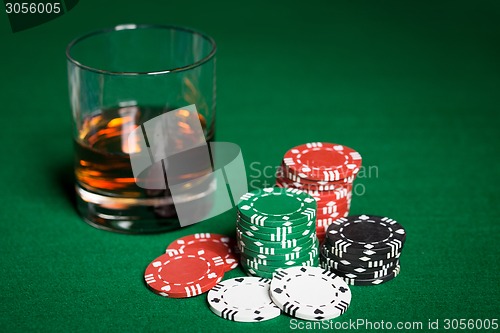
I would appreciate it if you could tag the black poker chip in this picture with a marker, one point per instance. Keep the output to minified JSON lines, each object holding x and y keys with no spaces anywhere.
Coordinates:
{"x":360,"y":276}
{"x":356,"y":267}
{"x":366,"y":234}
{"x":344,"y":247}
{"x":335,"y":253}
{"x":374,"y":281}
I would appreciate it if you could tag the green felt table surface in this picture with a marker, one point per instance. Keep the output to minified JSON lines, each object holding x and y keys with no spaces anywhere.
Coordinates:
{"x":413,"y":86}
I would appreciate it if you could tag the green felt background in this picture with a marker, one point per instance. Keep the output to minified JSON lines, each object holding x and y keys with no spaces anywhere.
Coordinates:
{"x":412,"y":85}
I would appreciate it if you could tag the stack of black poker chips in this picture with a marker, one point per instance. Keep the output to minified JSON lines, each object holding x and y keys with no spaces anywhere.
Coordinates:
{"x":363,"y":249}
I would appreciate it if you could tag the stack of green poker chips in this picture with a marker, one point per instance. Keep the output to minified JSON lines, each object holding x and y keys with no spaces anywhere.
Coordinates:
{"x":276,"y":228}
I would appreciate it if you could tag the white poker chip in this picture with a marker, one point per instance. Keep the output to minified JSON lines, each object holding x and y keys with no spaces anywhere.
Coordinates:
{"x":243,"y":299}
{"x":310,"y":293}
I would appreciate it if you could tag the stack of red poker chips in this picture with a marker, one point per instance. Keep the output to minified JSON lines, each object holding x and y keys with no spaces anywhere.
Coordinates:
{"x":326,"y":171}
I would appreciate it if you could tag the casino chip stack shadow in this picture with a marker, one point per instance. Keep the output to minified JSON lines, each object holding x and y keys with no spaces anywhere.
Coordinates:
{"x":326,"y":171}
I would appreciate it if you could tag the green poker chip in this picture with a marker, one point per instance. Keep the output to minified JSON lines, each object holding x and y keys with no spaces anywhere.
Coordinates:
{"x":275,"y":206}
{"x":296,"y":253}
{"x":275,"y":260}
{"x":267,"y":252}
{"x":257,"y":243}
{"x":312,"y":255}
{"x":289,"y":228}
{"x":273,"y":237}
{"x":307,"y":215}
{"x":271,"y":269}
{"x":256,"y":272}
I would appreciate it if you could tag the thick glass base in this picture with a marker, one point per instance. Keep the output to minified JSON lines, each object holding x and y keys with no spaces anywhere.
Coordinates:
{"x":127,"y":215}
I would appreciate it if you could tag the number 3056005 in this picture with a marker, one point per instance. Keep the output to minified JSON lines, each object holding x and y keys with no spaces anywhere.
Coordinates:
{"x":32,"y":8}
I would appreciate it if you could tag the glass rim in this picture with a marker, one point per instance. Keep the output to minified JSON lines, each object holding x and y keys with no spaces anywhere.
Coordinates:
{"x":121,"y":27}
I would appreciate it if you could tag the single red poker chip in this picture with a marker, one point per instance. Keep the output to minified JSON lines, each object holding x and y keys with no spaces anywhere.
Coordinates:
{"x":283,"y":172}
{"x":332,"y":211}
{"x":328,"y":212}
{"x":310,"y":185}
{"x":321,"y":229}
{"x":222,"y":245}
{"x":339,"y":197}
{"x":329,"y":218}
{"x":321,"y":161}
{"x":326,"y":221}
{"x":325,"y":184}
{"x":180,"y":274}
{"x":320,"y":234}
{"x":332,"y":201}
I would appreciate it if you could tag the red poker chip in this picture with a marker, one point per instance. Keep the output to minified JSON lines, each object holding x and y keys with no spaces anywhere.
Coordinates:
{"x":340,"y":203}
{"x":183,"y":274}
{"x":284,"y":173}
{"x":320,"y":234}
{"x":321,"y":229}
{"x":310,"y":186}
{"x":222,"y":245}
{"x":335,"y":215}
{"x":329,"y":220}
{"x":312,"y":182}
{"x":332,"y":202}
{"x":331,"y":211}
{"x":321,"y":161}
{"x":341,"y":192}
{"x":321,"y":185}
{"x":338,"y":193}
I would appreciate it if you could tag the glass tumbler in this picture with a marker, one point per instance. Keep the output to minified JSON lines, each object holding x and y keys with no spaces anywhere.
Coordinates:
{"x":119,"y":79}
